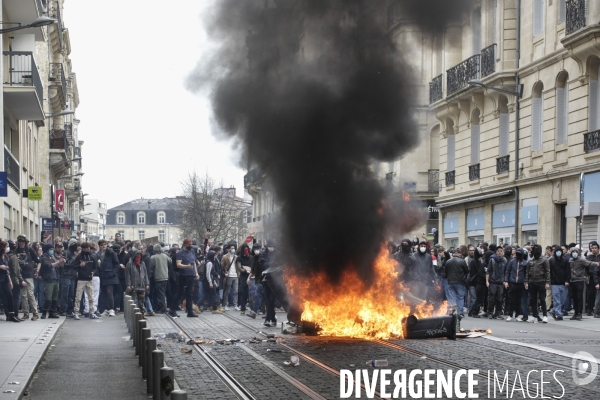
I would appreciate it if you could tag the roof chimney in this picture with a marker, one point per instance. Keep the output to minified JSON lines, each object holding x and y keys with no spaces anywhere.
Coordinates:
{"x":149,"y":204}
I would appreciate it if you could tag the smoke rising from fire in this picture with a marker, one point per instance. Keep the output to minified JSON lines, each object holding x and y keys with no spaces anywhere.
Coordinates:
{"x":314,"y":92}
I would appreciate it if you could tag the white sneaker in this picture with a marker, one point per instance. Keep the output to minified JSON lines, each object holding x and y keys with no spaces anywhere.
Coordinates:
{"x":508,"y":319}
{"x":238,"y":308}
{"x":531,"y":319}
{"x":226,"y":308}
{"x":107,"y":313}
{"x":545,"y":320}
{"x":465,"y":310}
{"x":111,"y":313}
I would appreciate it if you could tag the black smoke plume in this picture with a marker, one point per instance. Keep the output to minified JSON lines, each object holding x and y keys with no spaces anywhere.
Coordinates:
{"x":315,"y":92}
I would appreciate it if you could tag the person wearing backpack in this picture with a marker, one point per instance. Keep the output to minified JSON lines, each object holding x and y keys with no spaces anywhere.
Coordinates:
{"x":160,"y":264}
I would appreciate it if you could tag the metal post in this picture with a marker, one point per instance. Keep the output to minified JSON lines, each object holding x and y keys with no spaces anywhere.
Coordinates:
{"x":178,"y":395}
{"x":126,"y":299}
{"x":137,"y":316}
{"x":140,"y":324}
{"x":130,"y":314}
{"x":150,"y":347}
{"x":167,"y":382}
{"x":158,"y":360}
{"x":145,"y":335}
{"x":581,"y":209}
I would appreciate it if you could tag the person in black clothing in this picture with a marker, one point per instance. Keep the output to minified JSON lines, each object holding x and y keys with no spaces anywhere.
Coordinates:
{"x":560,"y":276}
{"x":86,"y":265}
{"x":243,"y":266}
{"x":514,"y":282}
{"x":6,"y":285}
{"x":481,"y":287}
{"x":270,"y":258}
{"x":67,"y":280}
{"x":256,"y":275}
{"x":474,"y":278}
{"x":28,"y":261}
{"x":50,"y":275}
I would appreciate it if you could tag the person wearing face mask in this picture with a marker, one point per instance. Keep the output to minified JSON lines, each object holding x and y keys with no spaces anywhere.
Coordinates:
{"x":560,"y":275}
{"x":231,"y":277}
{"x":6,"y":285}
{"x":424,"y":274}
{"x":255,"y":282}
{"x":473,"y":281}
{"x":188,"y":274}
{"x":537,"y":281}
{"x":406,"y":260}
{"x":495,"y":279}
{"x":86,"y":265}
{"x":580,"y":268}
{"x":50,"y":274}
{"x":270,"y":258}
{"x":514,"y":282}
{"x":243,"y":266}
{"x":593,"y":288}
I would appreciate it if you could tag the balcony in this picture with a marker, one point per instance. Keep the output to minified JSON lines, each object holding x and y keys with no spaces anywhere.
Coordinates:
{"x":450,"y":175}
{"x":474,"y":172}
{"x":23,"y":90}
{"x":57,"y":86}
{"x":435,"y":89}
{"x":488,"y":60}
{"x":458,"y":76}
{"x":252,"y":176}
{"x":576,"y":10}
{"x":433,"y":183}
{"x":502,"y":165}
{"x":13,"y":170}
{"x":25,"y":12}
{"x":591,"y":141}
{"x":58,"y":139}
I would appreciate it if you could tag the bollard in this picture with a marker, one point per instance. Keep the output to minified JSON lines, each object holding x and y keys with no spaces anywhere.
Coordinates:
{"x":144,"y":334}
{"x":158,"y":360}
{"x":126,"y":299}
{"x":167,"y":382}
{"x":131,"y":314}
{"x":140,"y":324}
{"x":150,"y":347}
{"x":178,"y":395}
{"x":137,"y":316}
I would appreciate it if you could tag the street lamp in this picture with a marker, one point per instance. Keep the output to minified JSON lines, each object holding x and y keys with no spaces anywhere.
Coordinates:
{"x":72,"y":176}
{"x":39,"y":22}
{"x":60,"y":114}
{"x":518,"y":93}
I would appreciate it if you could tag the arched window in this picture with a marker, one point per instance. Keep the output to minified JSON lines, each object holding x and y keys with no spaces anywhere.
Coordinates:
{"x":161,"y":217}
{"x":121,"y":218}
{"x":141,"y":218}
{"x":475,"y":137}
{"x":537,"y":120}
{"x":562,"y":108}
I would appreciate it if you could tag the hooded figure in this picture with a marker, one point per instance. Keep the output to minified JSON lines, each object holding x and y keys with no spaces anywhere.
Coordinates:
{"x":423,"y":273}
{"x":406,"y":260}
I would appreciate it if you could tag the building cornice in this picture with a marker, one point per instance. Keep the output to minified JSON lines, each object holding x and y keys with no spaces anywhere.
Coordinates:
{"x":543,"y":62}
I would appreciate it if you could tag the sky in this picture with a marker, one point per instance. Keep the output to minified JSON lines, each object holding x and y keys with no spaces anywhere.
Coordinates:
{"x":143,"y":132}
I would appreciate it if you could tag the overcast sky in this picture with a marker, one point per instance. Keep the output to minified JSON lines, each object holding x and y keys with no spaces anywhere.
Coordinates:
{"x":143,"y":131}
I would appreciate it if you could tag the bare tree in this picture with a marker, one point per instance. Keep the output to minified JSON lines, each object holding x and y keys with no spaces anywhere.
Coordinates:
{"x":206,"y":206}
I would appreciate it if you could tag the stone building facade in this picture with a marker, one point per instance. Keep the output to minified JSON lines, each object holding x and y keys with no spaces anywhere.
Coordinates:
{"x":510,"y":166}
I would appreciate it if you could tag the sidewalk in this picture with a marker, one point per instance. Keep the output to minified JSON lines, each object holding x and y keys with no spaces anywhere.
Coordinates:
{"x":22,"y":347}
{"x":91,"y":359}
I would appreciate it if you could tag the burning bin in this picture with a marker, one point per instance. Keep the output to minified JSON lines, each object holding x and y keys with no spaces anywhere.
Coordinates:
{"x":427,"y":328}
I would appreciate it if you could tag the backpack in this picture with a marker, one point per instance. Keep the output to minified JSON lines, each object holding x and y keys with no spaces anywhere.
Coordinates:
{"x":202,"y":270}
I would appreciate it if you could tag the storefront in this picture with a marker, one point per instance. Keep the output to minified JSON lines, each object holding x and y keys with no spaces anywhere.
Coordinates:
{"x":451,"y":223}
{"x":529,"y":221}
{"x":475,"y":225}
{"x":503,"y":223}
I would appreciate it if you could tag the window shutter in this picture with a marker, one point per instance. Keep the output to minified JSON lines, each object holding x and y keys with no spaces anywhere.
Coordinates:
{"x":504,"y":132}
{"x":538,"y":17}
{"x":562,"y":11}
{"x":561,"y":115}
{"x":536,"y":116}
{"x":451,"y":153}
{"x":593,"y":113}
{"x":475,"y":139}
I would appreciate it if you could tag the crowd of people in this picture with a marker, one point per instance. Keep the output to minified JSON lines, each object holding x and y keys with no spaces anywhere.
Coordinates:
{"x":43,"y":280}
{"x":502,"y":281}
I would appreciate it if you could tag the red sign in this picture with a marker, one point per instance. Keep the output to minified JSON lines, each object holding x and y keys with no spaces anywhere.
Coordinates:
{"x":59,"y":200}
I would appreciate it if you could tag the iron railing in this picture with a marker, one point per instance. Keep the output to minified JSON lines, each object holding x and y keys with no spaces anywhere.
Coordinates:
{"x":502,"y":164}
{"x":434,"y":180}
{"x":57,"y":77}
{"x":13,"y":171}
{"x":473,"y":172}
{"x":58,"y":139}
{"x":450,"y":175}
{"x":54,"y":12}
{"x":457,"y":77}
{"x":68,"y":130}
{"x":20,"y":70}
{"x":435,"y":89}
{"x":591,"y":141}
{"x":576,"y":10}
{"x":252,"y":176}
{"x":77,"y":151}
{"x":488,"y":60}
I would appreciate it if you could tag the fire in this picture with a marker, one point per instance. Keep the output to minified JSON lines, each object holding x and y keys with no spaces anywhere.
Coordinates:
{"x":351,"y":308}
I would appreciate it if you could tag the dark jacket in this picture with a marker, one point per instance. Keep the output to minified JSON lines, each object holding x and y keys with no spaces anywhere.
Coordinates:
{"x":212,"y":275}
{"x":595,"y":271}
{"x":515,"y":271}
{"x":109,"y":268}
{"x":14,"y":269}
{"x":90,"y":268}
{"x":48,"y":272}
{"x":424,"y":271}
{"x":560,"y":270}
{"x":475,"y":269}
{"x":242,"y":263}
{"x":496,"y":269}
{"x":68,"y":270}
{"x":136,"y":276}
{"x":457,"y":270}
{"x":123,"y":259}
{"x":28,"y":261}
{"x":538,"y":270}
{"x":407,"y":265}
{"x":580,"y":268}
{"x":257,"y":269}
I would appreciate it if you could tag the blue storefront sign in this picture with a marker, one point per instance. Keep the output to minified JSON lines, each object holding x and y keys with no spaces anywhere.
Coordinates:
{"x":451,"y":225}
{"x":47,"y":226}
{"x":3,"y":184}
{"x":475,"y":222}
{"x":529,"y":215}
{"x":503,"y":218}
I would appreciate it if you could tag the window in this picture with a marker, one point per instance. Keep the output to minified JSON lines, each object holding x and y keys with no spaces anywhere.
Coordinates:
{"x":451,"y":153}
{"x":562,"y":108}
{"x":594,"y":114}
{"x":121,"y":218}
{"x":538,"y":17}
{"x":122,"y":235}
{"x":476,"y":31}
{"x":162,"y":218}
{"x":537,"y":119}
{"x":161,"y":235}
{"x":562,"y":11}
{"x":141,"y":218}
{"x":475,"y":137}
{"x":141,"y":235}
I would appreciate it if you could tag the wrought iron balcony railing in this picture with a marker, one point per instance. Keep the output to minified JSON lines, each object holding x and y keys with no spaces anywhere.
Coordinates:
{"x":434,"y":180}
{"x":488,"y":60}
{"x":252,"y":176}
{"x":473,"y":172}
{"x":450,"y":175}
{"x":576,"y":10}
{"x":57,"y":77}
{"x":77,"y":151}
{"x":591,"y":141}
{"x":457,"y":77}
{"x":58,"y":139}
{"x":20,"y":70}
{"x":435,"y":89}
{"x":502,"y":164}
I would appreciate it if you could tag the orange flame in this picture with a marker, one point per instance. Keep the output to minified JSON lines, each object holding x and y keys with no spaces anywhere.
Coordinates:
{"x":350,"y":307}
